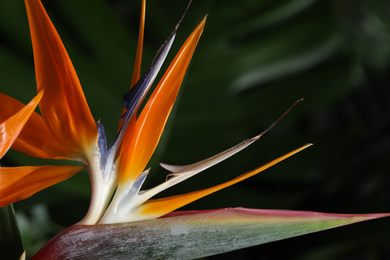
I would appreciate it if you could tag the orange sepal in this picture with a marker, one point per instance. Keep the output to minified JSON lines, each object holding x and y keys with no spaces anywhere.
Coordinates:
{"x":35,"y":139}
{"x":140,"y":43}
{"x":64,"y":107}
{"x":138,"y":59}
{"x":139,"y":143}
{"x":17,"y":183}
{"x":160,"y":207}
{"x":11,"y":128}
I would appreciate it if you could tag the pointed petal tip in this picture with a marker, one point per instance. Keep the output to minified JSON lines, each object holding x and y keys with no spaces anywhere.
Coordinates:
{"x":203,"y":22}
{"x":11,"y":128}
{"x":63,"y":105}
{"x":23,"y":256}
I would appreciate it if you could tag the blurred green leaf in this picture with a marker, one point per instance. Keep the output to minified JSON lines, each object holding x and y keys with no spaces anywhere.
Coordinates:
{"x":10,"y":241}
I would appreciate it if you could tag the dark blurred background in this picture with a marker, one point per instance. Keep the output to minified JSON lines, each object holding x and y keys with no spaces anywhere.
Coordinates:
{"x":254,"y":60}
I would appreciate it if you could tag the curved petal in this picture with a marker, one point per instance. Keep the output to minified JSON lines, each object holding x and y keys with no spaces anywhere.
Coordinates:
{"x":17,"y":183}
{"x":35,"y":139}
{"x":151,"y":122}
{"x":63,"y":106}
{"x":11,"y":128}
{"x":159,"y":207}
{"x":138,"y":59}
{"x":208,"y":162}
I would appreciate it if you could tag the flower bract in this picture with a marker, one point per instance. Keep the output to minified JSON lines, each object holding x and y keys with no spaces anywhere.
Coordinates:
{"x":66,"y":129}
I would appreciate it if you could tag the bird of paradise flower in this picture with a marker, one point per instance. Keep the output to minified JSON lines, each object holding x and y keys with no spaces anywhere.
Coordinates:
{"x":66,"y":130}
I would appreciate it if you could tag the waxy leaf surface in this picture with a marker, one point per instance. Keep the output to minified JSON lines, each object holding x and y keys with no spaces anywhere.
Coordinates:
{"x":191,"y":234}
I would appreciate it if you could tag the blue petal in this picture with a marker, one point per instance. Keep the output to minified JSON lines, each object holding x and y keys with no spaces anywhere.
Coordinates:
{"x":133,"y":98}
{"x":102,"y":142}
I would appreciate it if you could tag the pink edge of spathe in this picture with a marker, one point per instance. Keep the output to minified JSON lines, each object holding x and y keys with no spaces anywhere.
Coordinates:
{"x":279,"y":213}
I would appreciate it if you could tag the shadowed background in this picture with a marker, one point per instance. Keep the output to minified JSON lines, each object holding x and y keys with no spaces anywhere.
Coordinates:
{"x":254,"y":60}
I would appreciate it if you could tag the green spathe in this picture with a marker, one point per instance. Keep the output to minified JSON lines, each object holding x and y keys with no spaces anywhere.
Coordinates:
{"x":191,"y":234}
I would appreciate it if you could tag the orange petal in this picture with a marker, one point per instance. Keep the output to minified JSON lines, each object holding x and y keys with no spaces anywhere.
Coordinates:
{"x":138,"y":58}
{"x":17,"y":183}
{"x":142,"y":141}
{"x":140,"y":43}
{"x":64,"y":107}
{"x":35,"y":139}
{"x":159,"y":207}
{"x":11,"y":128}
